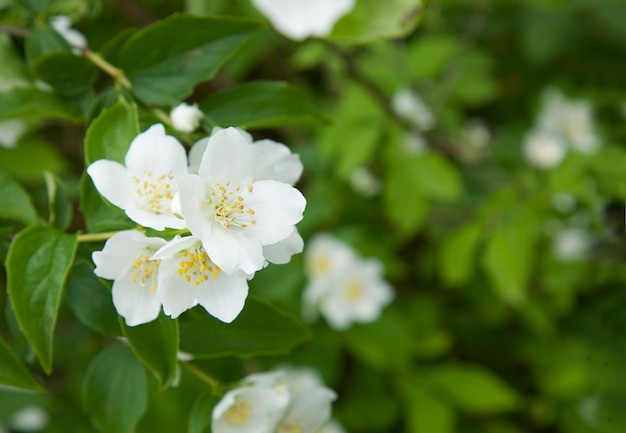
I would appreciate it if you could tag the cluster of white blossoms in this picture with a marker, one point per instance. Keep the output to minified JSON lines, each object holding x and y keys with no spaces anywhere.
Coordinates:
{"x":300,"y":19}
{"x":280,"y":401}
{"x":410,"y":107}
{"x":343,"y":287}
{"x":562,"y":124}
{"x":234,"y":195}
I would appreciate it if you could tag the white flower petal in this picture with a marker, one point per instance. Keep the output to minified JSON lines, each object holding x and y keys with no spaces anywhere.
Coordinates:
{"x":276,"y":162}
{"x":112,"y":182}
{"x":278,"y":207}
{"x":250,"y":409}
{"x":136,"y":304}
{"x":11,"y":130}
{"x":155,"y":151}
{"x":234,"y":251}
{"x":543,"y":150}
{"x":228,"y":156}
{"x":282,"y":251}
{"x":153,"y":220}
{"x":298,"y":19}
{"x":119,"y":252}
{"x":225,"y":299}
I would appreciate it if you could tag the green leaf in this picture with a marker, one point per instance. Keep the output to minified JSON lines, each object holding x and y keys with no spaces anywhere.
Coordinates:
{"x":100,"y":216}
{"x":427,"y":412}
{"x":427,"y":56}
{"x":70,"y":75}
{"x":14,"y":373}
{"x":437,"y":177}
{"x":201,"y":414}
{"x":604,"y":412}
{"x":156,"y":345}
{"x":32,"y":102}
{"x":38,"y":263}
{"x":110,"y":134}
{"x":260,"y":329}
{"x":457,"y":255}
{"x":15,"y":203}
{"x":59,"y":204}
{"x":30,"y":158}
{"x":473,"y":389}
{"x":90,"y":299}
{"x":373,"y":19}
{"x":34,"y":5}
{"x":508,"y":259}
{"x":154,"y":58}
{"x":114,"y":390}
{"x":258,"y":104}
{"x":404,"y":201}
{"x":42,"y":40}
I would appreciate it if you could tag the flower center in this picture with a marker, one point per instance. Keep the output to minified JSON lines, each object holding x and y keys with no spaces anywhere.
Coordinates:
{"x":145,"y":271}
{"x":292,"y":426}
{"x":228,"y":207}
{"x":321,"y":265}
{"x":239,"y":413}
{"x":196,"y":266}
{"x":155,"y":191}
{"x":354,"y":291}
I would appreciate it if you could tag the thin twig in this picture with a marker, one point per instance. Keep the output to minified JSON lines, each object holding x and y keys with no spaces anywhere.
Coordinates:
{"x":95,"y":237}
{"x":216,"y":387}
{"x":15,"y":31}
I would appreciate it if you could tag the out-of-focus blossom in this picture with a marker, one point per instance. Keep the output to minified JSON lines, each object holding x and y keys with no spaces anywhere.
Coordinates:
{"x":63,"y":26}
{"x":280,"y":401}
{"x":544,"y":150}
{"x":571,"y":244}
{"x":343,"y":287}
{"x":11,"y":131}
{"x":410,"y":107}
{"x":363,"y":181}
{"x":29,"y":419}
{"x":300,"y":19}
{"x":185,"y":117}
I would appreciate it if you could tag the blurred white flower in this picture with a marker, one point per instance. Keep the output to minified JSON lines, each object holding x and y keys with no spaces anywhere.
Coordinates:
{"x":63,"y":26}
{"x":343,"y":287}
{"x":476,"y":134}
{"x":410,"y":107}
{"x":282,"y":401}
{"x":126,"y":259}
{"x":414,"y":144}
{"x":29,"y":419}
{"x":188,"y":277}
{"x":543,"y":150}
{"x":571,"y":244}
{"x":237,"y":203}
{"x":568,"y":118}
{"x":299,"y":19}
{"x":11,"y":130}
{"x":363,"y":181}
{"x":145,"y":186}
{"x":185,"y":117}
{"x":564,"y":202}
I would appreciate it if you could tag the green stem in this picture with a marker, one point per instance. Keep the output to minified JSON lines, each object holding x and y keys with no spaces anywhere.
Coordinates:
{"x":95,"y":237}
{"x":111,"y":70}
{"x":217,"y":388}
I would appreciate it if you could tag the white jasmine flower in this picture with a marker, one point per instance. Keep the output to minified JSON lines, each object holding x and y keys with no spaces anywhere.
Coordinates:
{"x":11,"y":130}
{"x":126,"y":259}
{"x":275,"y":161}
{"x":234,"y":207}
{"x":343,"y":287}
{"x":188,"y":276}
{"x":543,"y":150}
{"x":63,"y":25}
{"x":570,"y":119}
{"x":30,"y":419}
{"x":282,"y":251}
{"x":185,"y":117}
{"x":145,"y":186}
{"x":299,"y":19}
{"x":409,"y":106}
{"x":252,"y":408}
{"x":571,"y":244}
{"x":309,"y":402}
